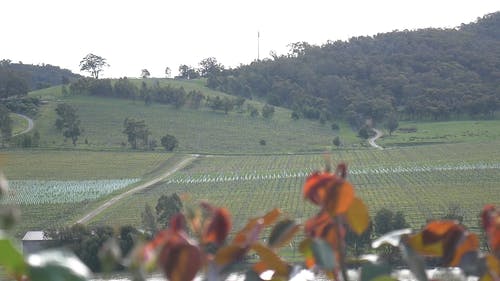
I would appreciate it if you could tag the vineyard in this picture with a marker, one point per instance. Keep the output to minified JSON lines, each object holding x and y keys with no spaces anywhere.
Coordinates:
{"x":423,"y":182}
{"x":54,"y":192}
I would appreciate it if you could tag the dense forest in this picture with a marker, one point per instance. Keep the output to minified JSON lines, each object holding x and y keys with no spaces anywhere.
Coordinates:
{"x":427,"y":74}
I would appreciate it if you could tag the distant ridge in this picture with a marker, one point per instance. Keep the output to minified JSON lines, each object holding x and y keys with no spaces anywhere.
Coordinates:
{"x":44,"y":75}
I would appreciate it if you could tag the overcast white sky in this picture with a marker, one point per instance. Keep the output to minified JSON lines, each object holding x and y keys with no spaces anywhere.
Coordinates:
{"x":154,"y":34}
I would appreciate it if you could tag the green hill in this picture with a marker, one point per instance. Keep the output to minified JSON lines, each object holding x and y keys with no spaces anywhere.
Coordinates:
{"x":426,"y":74}
{"x":198,"y":130}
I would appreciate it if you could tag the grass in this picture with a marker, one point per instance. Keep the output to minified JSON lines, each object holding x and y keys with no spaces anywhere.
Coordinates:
{"x":443,"y":132}
{"x":102,"y":120}
{"x":19,"y":124}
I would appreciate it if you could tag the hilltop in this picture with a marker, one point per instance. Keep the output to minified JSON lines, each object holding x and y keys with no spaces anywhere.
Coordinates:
{"x":426,"y":74}
{"x":40,"y":76}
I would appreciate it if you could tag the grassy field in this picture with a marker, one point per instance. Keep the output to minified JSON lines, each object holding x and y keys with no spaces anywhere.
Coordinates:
{"x":19,"y":124}
{"x":443,"y":132}
{"x":423,"y":182}
{"x":102,"y":120}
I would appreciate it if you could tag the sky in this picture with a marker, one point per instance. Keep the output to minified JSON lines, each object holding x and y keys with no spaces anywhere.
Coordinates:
{"x":154,"y":34}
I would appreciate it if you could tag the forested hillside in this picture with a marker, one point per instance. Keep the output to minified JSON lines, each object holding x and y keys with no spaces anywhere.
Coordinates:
{"x":430,"y":74}
{"x":36,"y":76}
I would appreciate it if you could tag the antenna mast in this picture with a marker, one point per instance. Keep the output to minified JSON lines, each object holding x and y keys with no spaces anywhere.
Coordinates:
{"x":258,"y":45}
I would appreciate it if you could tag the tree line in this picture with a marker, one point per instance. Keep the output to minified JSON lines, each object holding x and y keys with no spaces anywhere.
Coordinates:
{"x":427,"y":74}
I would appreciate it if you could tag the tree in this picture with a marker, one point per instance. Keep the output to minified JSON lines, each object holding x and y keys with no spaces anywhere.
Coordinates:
{"x":166,"y":207}
{"x":145,"y":73}
{"x":148,"y":219}
{"x":335,"y":127}
{"x":168,"y":72}
{"x":267,"y":111}
{"x":336,"y":141}
{"x":68,"y":122}
{"x":385,"y":221}
{"x":210,"y":66}
{"x":136,"y":131}
{"x":5,"y":124}
{"x":364,"y":132}
{"x":169,"y":142}
{"x":391,"y":124}
{"x":188,"y":72}
{"x":358,"y":244}
{"x":93,"y":64}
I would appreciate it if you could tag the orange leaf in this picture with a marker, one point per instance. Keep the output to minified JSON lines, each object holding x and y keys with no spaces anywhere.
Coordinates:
{"x":436,"y":230}
{"x":357,"y":216}
{"x":229,"y":254}
{"x":271,"y":259}
{"x":218,"y":228}
{"x":316,"y":186}
{"x":339,"y":198}
{"x":470,"y":244}
{"x":249,"y":234}
{"x":493,"y":264}
{"x":271,"y":217}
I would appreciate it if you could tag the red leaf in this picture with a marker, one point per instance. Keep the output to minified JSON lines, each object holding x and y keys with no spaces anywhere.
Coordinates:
{"x":341,"y":170}
{"x":177,"y":223}
{"x":180,"y":262}
{"x":316,"y":186}
{"x":218,"y":228}
{"x":322,"y":226}
{"x":436,"y":230}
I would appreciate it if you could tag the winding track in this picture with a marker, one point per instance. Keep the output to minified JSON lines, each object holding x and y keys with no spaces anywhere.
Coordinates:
{"x":147,"y":184}
{"x":31,"y":124}
{"x":372,"y":140}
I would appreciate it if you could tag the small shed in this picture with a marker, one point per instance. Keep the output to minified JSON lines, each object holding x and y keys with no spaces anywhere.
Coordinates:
{"x":34,"y":241}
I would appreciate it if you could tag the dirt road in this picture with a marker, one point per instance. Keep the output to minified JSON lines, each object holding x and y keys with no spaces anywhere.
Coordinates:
{"x":372,"y":140}
{"x":31,"y":124}
{"x":147,"y":184}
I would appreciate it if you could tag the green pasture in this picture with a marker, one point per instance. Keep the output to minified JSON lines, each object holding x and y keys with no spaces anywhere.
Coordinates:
{"x":442,"y":132}
{"x":201,"y":130}
{"x":19,"y":124}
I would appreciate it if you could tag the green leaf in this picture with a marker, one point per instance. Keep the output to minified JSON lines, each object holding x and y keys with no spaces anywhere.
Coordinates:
{"x":370,"y":271}
{"x":282,"y":233}
{"x":57,"y":265}
{"x":385,"y":278}
{"x":323,"y":254}
{"x":357,"y":216}
{"x":11,"y":258}
{"x":251,"y":275}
